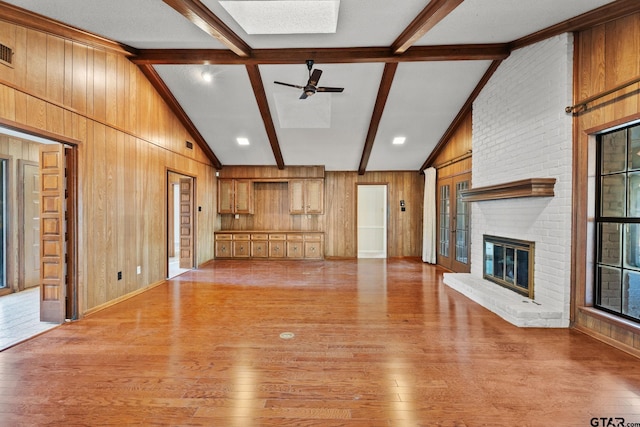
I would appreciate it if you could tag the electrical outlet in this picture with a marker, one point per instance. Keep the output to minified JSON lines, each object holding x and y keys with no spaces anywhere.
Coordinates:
{"x":139,"y":270}
{"x":119,"y":275}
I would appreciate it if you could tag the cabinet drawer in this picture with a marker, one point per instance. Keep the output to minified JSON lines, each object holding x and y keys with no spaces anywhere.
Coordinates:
{"x":277,"y":237}
{"x":241,"y":236}
{"x":259,"y":236}
{"x":294,"y":237}
{"x":313,"y":237}
{"x":224,"y":236}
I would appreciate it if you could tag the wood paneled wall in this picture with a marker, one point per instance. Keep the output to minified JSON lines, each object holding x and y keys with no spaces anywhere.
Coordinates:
{"x":271,"y":210}
{"x":127,"y":141}
{"x":455,"y":158}
{"x":606,"y":56}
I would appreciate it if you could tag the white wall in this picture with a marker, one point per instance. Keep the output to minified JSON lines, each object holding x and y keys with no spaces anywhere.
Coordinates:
{"x":520,"y":130}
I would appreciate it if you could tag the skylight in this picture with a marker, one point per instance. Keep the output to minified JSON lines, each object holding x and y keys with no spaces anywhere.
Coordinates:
{"x":285,"y":16}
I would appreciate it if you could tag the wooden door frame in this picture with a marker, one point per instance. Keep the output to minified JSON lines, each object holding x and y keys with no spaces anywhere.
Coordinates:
{"x":73,"y":206}
{"x":166,"y":218}
{"x":9,"y":267}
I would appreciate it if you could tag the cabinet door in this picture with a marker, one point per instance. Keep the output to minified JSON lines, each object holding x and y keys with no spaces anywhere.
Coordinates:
{"x":314,"y":196}
{"x":243,"y":196}
{"x":313,"y":249}
{"x":259,"y":249}
{"x":277,"y":249}
{"x":225,"y":196}
{"x":223,"y":249}
{"x":296,"y":197}
{"x":241,"y":249}
{"x":295,"y":249}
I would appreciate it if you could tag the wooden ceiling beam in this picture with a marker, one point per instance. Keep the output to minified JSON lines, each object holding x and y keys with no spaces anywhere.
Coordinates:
{"x":265,"y":112}
{"x":203,"y":18}
{"x":435,"y":12}
{"x":599,"y":16}
{"x":160,"y":86}
{"x":479,"y":52}
{"x":381,"y":100}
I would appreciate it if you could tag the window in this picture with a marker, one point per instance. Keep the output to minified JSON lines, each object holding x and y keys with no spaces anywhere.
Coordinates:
{"x":617,"y":281}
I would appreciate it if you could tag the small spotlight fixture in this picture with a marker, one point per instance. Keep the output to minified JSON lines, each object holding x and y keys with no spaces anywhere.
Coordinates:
{"x":242,"y":141}
{"x":399,"y":140}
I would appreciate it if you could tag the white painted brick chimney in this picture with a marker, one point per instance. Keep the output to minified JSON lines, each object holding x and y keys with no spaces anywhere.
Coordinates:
{"x":520,"y":130}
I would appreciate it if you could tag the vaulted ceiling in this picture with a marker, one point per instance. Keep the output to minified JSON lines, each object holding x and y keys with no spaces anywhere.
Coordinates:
{"x":409,"y":69}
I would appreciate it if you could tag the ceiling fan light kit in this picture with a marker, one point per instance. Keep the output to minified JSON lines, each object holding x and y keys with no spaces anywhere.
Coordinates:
{"x":311,"y":87}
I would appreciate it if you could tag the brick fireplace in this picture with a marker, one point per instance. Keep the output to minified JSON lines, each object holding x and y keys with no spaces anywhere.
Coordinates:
{"x":520,"y":130}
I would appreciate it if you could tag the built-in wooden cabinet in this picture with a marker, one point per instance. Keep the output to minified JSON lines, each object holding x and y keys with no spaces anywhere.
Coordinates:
{"x":269,"y":245}
{"x":235,"y":196}
{"x":306,"y":196}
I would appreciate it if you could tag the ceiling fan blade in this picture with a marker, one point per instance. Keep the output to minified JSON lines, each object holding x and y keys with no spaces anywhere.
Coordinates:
{"x":315,"y":76}
{"x":329,"y":89}
{"x":290,"y":85}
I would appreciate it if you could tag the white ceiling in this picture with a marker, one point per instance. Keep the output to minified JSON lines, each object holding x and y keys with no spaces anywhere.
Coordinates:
{"x":424,"y":98}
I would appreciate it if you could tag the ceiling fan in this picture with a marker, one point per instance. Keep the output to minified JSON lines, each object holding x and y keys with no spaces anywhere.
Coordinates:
{"x":310,"y":88}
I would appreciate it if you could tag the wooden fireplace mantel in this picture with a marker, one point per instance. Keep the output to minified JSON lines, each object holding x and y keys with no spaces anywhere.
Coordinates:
{"x":532,"y":187}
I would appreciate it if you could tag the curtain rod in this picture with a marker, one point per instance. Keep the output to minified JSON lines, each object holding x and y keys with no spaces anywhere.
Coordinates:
{"x":584,"y":102}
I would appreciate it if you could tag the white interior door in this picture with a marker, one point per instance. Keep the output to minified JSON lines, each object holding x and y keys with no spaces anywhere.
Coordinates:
{"x":372,"y":221}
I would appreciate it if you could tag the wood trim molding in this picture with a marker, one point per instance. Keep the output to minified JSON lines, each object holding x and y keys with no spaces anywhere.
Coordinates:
{"x":381,"y":100}
{"x":17,"y":15}
{"x":532,"y":187}
{"x":265,"y":112}
{"x":481,"y":52}
{"x":38,"y":133}
{"x":606,"y":13}
{"x":435,"y":12}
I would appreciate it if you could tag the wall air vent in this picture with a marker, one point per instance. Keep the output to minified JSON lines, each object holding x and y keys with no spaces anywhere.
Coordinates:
{"x":6,"y":55}
{"x":190,"y":145}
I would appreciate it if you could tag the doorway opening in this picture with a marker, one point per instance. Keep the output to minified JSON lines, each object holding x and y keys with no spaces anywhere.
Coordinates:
{"x":372,"y":220}
{"x":37,"y":233}
{"x":180,"y":223}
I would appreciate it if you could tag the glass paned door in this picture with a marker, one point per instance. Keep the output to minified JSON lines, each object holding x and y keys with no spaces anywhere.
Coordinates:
{"x":453,"y":223}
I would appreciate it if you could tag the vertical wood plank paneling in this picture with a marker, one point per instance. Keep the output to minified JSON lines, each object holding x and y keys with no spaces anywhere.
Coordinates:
{"x":607,"y":55}
{"x":79,"y":78}
{"x":98,"y":95}
{"x":125,"y":131}
{"x":111,"y":89}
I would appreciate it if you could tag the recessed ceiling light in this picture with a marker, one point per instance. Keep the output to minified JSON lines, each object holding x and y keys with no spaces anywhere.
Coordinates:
{"x":242,"y":141}
{"x":399,"y":140}
{"x":285,"y":17}
{"x":207,"y":76}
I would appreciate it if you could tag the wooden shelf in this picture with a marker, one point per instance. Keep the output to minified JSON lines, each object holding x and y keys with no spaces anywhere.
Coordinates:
{"x":532,"y":187}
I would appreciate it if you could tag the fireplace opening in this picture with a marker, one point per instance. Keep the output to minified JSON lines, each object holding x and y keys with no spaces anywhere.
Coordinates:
{"x":509,"y":263}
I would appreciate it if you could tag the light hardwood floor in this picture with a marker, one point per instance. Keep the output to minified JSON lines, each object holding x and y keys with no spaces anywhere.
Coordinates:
{"x":20,"y":318}
{"x":376,"y":343}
